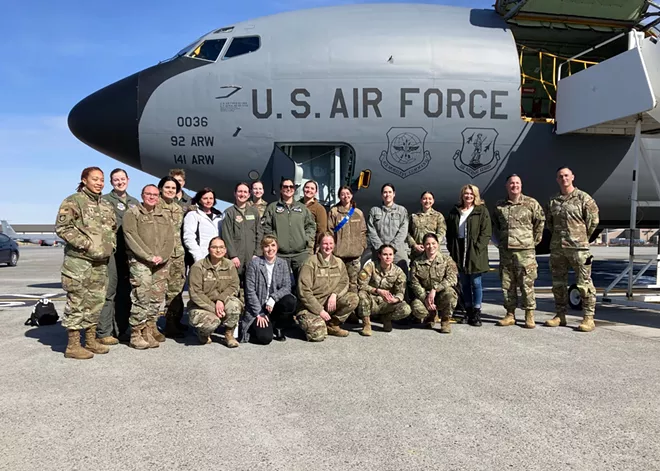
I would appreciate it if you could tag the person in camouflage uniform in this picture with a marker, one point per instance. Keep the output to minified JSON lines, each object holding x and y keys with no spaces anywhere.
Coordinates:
{"x":572,"y":217}
{"x":350,"y":229}
{"x":324,"y":299}
{"x":214,"y":301}
{"x":88,"y":225}
{"x":433,"y":280}
{"x":182,"y":198}
{"x":117,"y":307}
{"x":518,"y":226}
{"x":382,"y":289}
{"x":257,"y":200}
{"x":149,"y":235}
{"x":426,"y":221}
{"x":176,"y":265}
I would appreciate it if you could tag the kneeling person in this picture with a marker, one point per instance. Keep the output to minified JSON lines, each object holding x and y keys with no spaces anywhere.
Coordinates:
{"x":381,"y":290}
{"x":323,"y":293}
{"x":213,"y":289}
{"x":434,"y":276}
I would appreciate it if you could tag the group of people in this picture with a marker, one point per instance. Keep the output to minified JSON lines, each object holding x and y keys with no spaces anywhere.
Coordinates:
{"x":259,"y":268}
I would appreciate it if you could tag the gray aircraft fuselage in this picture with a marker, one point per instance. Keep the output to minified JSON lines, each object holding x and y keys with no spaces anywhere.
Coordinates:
{"x":426,"y":97}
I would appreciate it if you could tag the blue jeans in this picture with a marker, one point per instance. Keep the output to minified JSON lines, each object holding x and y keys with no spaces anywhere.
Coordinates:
{"x":472,"y":291}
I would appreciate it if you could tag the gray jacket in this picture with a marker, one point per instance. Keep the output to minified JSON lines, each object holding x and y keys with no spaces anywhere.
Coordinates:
{"x":389,"y":226}
{"x":256,"y":293}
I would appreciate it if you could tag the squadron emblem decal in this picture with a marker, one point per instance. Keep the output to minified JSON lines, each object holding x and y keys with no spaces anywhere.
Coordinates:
{"x":405,"y":154}
{"x":480,"y":155}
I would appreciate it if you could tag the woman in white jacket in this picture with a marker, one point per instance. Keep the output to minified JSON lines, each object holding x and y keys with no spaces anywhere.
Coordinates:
{"x":202,"y":224}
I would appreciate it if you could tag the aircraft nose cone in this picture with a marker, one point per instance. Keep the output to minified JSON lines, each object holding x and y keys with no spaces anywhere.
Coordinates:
{"x":107,"y":121}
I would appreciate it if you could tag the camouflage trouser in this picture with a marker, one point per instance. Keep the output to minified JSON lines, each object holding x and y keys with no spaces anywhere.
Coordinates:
{"x":206,"y":321}
{"x":315,"y":327}
{"x":353,"y":268}
{"x":580,"y":260}
{"x":85,"y":284}
{"x":445,"y":301}
{"x":176,"y":279}
{"x":518,"y":269}
{"x":149,"y":287}
{"x":372,"y":305}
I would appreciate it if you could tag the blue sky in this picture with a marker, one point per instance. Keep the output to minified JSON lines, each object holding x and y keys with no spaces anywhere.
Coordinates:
{"x":56,"y":53}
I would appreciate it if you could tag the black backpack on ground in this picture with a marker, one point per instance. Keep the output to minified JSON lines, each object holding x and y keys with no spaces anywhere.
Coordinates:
{"x":44,"y":313}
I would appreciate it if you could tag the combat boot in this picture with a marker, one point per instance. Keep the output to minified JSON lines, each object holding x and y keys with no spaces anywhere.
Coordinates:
{"x":204,"y":337}
{"x":148,"y":336}
{"x":559,"y":319}
{"x":74,"y":349}
{"x":92,"y":344}
{"x":108,"y":340}
{"x":587,"y":324}
{"x":229,"y":338}
{"x":334,"y":328}
{"x":155,"y":333}
{"x":137,"y":341}
{"x":509,"y":319}
{"x":445,"y":324}
{"x":475,"y":320}
{"x":366,"y":330}
{"x":387,"y":323}
{"x":431,"y":320}
{"x":172,"y":329}
{"x":529,"y":319}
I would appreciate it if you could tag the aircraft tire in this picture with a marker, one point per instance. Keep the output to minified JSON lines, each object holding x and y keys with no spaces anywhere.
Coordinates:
{"x":574,"y":298}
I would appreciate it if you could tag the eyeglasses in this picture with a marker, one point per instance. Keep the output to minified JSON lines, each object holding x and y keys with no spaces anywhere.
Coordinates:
{"x":288,"y":187}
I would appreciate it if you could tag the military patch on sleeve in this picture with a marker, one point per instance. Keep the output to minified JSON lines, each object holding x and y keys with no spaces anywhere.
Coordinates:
{"x":61,"y":217}
{"x":364,"y":275}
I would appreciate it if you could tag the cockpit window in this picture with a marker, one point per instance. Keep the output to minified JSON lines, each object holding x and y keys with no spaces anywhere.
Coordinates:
{"x":209,"y":50}
{"x":240,"y":46}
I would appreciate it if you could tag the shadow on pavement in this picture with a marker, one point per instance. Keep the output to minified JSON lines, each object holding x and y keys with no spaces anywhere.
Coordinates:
{"x":46,"y":285}
{"x":53,"y":336}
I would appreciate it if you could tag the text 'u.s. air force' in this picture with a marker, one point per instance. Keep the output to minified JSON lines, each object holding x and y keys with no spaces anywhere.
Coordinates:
{"x":368,"y":103}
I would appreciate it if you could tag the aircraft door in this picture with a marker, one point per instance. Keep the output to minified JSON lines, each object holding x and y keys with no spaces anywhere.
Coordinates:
{"x":330,"y":165}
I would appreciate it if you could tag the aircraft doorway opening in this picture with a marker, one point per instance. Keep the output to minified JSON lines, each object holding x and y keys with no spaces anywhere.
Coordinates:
{"x":331,"y":165}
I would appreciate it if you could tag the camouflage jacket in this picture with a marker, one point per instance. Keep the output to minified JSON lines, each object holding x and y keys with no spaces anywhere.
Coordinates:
{"x":439,"y":274}
{"x":208,"y":283}
{"x":318,"y":279}
{"x":372,"y":277}
{"x":261,"y":206}
{"x":518,"y":225}
{"x":175,"y":212}
{"x":389,"y":226}
{"x":185,"y":202}
{"x":422,"y":223}
{"x":148,"y":234}
{"x":572,"y":219}
{"x":351,"y":239}
{"x":88,"y":225}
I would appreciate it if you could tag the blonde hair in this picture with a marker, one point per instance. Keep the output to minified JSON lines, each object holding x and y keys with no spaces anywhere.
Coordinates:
{"x":475,"y":190}
{"x":267,"y":240}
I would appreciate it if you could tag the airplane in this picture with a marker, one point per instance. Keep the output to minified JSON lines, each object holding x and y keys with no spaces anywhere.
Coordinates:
{"x":423,"y":96}
{"x":40,"y":239}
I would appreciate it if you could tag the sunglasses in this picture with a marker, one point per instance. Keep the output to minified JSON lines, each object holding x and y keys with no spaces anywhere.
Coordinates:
{"x":290,"y":187}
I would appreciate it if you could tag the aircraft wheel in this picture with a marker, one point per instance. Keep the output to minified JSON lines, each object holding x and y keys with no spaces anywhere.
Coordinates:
{"x":574,"y":298}
{"x":13,"y":261}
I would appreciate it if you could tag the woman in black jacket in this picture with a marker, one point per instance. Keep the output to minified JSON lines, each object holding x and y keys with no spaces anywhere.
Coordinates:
{"x":468,"y":233}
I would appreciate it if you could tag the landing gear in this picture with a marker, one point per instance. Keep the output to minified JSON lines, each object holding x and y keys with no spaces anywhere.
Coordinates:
{"x":574,"y":298}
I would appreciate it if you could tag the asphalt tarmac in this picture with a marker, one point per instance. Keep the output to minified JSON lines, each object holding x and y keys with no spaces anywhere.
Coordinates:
{"x":488,"y":398}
